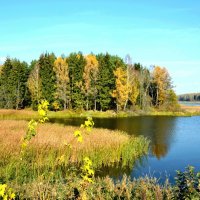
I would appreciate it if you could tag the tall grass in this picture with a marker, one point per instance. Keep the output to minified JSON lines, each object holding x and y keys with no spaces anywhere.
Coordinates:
{"x":187,"y":187}
{"x":54,"y":149}
{"x":17,"y":114}
{"x":29,"y":114}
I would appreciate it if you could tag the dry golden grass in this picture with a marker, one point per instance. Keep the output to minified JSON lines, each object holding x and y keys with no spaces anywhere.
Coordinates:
{"x":29,"y":114}
{"x":191,"y":109}
{"x":55,"y":149}
{"x":17,"y":114}
{"x":54,"y":135}
{"x":11,"y":111}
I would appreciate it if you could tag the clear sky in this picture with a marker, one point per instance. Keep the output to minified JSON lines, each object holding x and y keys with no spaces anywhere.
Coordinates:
{"x":153,"y":32}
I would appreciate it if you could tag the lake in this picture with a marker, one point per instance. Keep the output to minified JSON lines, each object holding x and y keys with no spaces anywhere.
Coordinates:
{"x":189,"y":103}
{"x":175,"y":143}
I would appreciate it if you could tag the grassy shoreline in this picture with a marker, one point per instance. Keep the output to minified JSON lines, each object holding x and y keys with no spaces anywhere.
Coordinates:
{"x":27,"y":114}
{"x":54,"y":157}
{"x":55,"y":148}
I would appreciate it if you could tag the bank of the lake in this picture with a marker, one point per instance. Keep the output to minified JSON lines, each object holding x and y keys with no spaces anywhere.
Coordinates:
{"x":27,"y":114}
{"x":55,"y":151}
{"x":103,"y":146}
{"x":55,"y":155}
{"x":193,"y":110}
{"x":174,"y":142}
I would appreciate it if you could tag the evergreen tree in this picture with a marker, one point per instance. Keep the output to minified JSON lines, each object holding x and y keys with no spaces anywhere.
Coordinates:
{"x":13,"y":87}
{"x":19,"y":76}
{"x":5,"y":85}
{"x":76,"y":63}
{"x":104,"y":81}
{"x":47,"y":76}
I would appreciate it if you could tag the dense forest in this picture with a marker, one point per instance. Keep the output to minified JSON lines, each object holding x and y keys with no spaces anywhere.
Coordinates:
{"x":189,"y":97}
{"x":91,"y":82}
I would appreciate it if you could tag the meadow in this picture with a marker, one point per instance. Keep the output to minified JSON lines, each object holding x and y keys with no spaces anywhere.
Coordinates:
{"x":53,"y":140}
{"x":27,"y":114}
{"x":191,"y":109}
{"x":55,"y":155}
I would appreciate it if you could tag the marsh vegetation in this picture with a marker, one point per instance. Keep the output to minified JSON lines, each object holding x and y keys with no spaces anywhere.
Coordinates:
{"x":54,"y":154}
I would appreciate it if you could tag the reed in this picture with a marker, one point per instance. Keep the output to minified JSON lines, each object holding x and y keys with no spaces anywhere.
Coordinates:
{"x":54,"y":149}
{"x":25,"y":114}
{"x":28,"y":114}
{"x":103,"y":188}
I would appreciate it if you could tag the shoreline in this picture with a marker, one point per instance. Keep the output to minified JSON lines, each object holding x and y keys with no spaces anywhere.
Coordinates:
{"x":27,"y":114}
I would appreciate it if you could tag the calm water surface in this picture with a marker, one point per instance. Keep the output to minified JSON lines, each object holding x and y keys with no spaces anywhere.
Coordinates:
{"x":190,"y":103}
{"x":175,"y":143}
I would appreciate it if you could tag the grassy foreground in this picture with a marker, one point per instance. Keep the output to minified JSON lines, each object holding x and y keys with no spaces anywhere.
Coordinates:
{"x":187,"y":187}
{"x":54,"y":154}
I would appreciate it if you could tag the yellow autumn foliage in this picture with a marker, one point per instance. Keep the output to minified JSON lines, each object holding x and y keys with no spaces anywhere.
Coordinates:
{"x":162,"y":80}
{"x":34,"y":84}
{"x":122,"y":88}
{"x":62,"y":80}
{"x":90,"y":77}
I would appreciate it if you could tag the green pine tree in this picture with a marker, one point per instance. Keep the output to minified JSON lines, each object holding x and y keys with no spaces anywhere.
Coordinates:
{"x":13,"y":86}
{"x":47,"y":76}
{"x":76,"y":63}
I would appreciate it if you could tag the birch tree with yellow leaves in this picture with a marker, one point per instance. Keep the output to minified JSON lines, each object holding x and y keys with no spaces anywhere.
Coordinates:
{"x":162,"y":84}
{"x":62,"y":81}
{"x":132,"y":83}
{"x":121,"y":91}
{"x":90,"y":78}
{"x":34,"y":85}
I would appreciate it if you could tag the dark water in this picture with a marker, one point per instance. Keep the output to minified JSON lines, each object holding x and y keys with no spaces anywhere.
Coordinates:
{"x":175,"y":143}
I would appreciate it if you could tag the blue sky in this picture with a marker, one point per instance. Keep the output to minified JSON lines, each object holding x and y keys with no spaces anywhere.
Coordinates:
{"x":153,"y":32}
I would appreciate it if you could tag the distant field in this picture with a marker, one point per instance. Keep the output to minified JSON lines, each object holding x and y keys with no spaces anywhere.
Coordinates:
{"x":190,"y":103}
{"x":190,"y":108}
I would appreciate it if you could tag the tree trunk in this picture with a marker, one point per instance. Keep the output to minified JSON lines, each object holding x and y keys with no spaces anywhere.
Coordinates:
{"x":95,"y":104}
{"x":125,"y":104}
{"x":64,"y":105}
{"x":157,"y":93}
{"x":117,"y":107}
{"x":18,"y":96}
{"x":87,"y":104}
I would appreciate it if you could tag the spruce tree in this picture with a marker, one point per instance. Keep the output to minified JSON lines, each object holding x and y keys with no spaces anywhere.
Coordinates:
{"x":5,"y":90}
{"x":76,"y":63}
{"x":19,"y":76}
{"x":13,"y":80}
{"x":106,"y":80}
{"x":47,"y":76}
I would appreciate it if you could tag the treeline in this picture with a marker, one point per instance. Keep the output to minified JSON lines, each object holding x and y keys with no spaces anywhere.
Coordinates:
{"x":189,"y":97}
{"x":97,"y":82}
